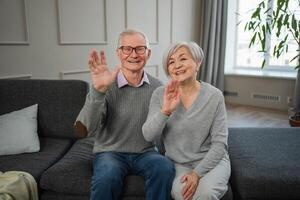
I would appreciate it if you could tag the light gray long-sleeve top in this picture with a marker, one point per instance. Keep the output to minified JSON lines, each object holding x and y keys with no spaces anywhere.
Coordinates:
{"x":197,"y":137}
{"x":116,"y":117}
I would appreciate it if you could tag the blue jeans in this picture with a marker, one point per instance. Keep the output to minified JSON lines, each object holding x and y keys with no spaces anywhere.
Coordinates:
{"x":110,"y":168}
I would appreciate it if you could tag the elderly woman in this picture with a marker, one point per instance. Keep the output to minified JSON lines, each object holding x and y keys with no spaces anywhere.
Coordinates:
{"x":190,"y":116}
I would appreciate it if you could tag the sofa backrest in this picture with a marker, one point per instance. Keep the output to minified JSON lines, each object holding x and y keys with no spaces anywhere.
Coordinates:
{"x":59,"y":102}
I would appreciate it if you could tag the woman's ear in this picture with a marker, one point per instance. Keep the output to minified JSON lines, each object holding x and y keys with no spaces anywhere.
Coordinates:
{"x":198,"y":67}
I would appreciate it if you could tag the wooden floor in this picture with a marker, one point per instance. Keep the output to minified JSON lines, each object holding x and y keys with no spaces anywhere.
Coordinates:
{"x":248,"y":116}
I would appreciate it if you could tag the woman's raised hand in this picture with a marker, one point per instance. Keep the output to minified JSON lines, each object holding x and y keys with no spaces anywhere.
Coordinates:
{"x":171,"y":97}
{"x":102,"y":77}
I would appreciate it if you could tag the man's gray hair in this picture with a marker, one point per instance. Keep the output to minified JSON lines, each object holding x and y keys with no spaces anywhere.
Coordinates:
{"x":193,"y":47}
{"x":132,"y":32}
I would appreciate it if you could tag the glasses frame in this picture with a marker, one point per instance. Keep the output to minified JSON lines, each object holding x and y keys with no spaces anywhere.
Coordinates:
{"x":133,"y":48}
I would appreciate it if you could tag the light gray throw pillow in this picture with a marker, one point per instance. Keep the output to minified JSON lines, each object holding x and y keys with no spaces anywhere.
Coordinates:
{"x":18,"y":131}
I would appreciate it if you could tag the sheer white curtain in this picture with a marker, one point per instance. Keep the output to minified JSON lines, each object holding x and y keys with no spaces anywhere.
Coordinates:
{"x":213,"y":24}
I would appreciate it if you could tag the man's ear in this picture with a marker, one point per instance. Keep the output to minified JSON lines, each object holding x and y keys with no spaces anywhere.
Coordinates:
{"x":149,"y":53}
{"x":118,"y":53}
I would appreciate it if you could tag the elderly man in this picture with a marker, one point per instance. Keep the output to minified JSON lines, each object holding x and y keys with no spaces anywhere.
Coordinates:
{"x":114,"y":111}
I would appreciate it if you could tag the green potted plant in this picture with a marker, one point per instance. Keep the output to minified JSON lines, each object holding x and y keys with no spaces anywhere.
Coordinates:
{"x":279,"y":19}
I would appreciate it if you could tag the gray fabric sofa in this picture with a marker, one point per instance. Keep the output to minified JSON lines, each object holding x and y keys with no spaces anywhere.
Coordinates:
{"x":58,"y":104}
{"x":265,"y":161}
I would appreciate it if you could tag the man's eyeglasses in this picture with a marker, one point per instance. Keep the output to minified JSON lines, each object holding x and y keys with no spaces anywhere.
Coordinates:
{"x":127,"y":50}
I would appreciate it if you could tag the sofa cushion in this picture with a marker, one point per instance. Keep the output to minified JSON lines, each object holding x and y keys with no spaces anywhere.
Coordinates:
{"x":36,"y":163}
{"x":48,"y":195}
{"x":59,"y":102}
{"x":73,"y":173}
{"x":75,"y":169}
{"x":265,"y":163}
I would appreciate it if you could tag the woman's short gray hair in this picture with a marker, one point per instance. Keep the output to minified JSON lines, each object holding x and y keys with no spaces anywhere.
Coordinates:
{"x":193,"y":47}
{"x":132,"y":32}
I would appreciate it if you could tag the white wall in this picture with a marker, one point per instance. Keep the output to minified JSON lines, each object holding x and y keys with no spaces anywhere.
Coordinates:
{"x":52,"y":38}
{"x":242,"y":88}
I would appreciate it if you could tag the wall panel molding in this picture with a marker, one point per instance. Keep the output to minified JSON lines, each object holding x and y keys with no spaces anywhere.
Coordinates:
{"x":14,"y":21}
{"x":82,"y":22}
{"x":138,"y":16}
{"x":17,"y":76}
{"x":171,"y":21}
{"x":185,"y":22}
{"x":85,"y":74}
{"x":152,"y":70}
{"x":76,"y":75}
{"x":72,"y":72}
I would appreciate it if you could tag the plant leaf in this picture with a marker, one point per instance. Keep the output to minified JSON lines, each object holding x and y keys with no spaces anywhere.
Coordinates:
{"x":252,"y":40}
{"x":279,"y":24}
{"x":268,"y":28}
{"x":274,"y":51}
{"x":294,"y":23}
{"x":263,"y":64}
{"x":256,"y":13}
{"x":298,"y":55}
{"x":286,"y":19}
{"x":245,"y":27}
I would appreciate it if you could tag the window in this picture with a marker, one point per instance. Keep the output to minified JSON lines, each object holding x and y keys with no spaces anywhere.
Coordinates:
{"x":244,"y":58}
